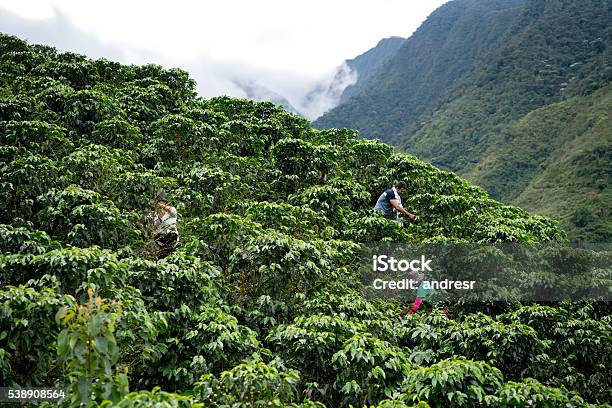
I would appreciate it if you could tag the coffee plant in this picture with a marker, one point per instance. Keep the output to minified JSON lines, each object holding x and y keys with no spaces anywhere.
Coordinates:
{"x":261,"y":303}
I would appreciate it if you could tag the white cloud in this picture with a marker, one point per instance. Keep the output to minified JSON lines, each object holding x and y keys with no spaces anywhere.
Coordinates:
{"x":286,"y":46}
{"x":309,"y":38}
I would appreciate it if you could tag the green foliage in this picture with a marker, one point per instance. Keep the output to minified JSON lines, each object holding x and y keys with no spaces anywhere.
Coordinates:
{"x":309,"y":343}
{"x":139,"y":331}
{"x":336,"y":198}
{"x":374,"y":228}
{"x":583,"y":344}
{"x":176,"y":137}
{"x":116,"y":133}
{"x":155,"y":398}
{"x":202,"y":340}
{"x":513,"y":348}
{"x":279,"y":265}
{"x":530,"y":393}
{"x":218,"y":235}
{"x":260,"y":303}
{"x":81,"y":218}
{"x":454,"y":382}
{"x":303,"y":162}
{"x":401,"y":404}
{"x":267,"y":313}
{"x":252,"y":383}
{"x":339,"y":137}
{"x":177,"y":280}
{"x":71,"y":267}
{"x":37,"y":137}
{"x":366,"y":157}
{"x":351,"y":305}
{"x":74,"y":70}
{"x":368,"y":369}
{"x":88,"y":350}
{"x":21,"y":240}
{"x":219,"y":188}
{"x":141,"y":102}
{"x":84,"y":109}
{"x":28,"y":336}
{"x":93,"y":166}
{"x":17,"y":108}
{"x":135,"y":190}
{"x":245,"y":138}
{"x":22,"y":179}
{"x":300,"y":222}
{"x":54,"y":96}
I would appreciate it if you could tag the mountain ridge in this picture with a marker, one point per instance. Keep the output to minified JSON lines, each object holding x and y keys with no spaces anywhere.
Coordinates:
{"x":435,"y":55}
{"x":369,"y":63}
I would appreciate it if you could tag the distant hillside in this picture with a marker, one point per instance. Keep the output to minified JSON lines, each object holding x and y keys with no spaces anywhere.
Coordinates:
{"x":349,"y":77}
{"x":468,"y":77}
{"x":560,"y":157}
{"x":531,"y":66}
{"x":369,"y":63}
{"x":449,"y":44}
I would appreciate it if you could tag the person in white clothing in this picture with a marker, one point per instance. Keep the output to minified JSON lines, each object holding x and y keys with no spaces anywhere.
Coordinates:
{"x":163,"y":222}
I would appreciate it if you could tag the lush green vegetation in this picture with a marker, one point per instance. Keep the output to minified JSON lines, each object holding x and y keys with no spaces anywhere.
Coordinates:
{"x":568,"y":179}
{"x":370,"y":63}
{"x":501,"y":92}
{"x":260,"y":304}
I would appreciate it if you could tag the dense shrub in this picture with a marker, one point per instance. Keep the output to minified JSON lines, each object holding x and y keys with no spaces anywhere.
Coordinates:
{"x":279,"y":265}
{"x":84,"y":109}
{"x":21,"y":240}
{"x":72,"y":268}
{"x":455,"y":382}
{"x":301,"y":222}
{"x":28,"y":334}
{"x":82,"y":218}
{"x":530,"y":393}
{"x":93,"y":166}
{"x":37,"y":137}
{"x":198,"y":341}
{"x":262,"y":302}
{"x":337,"y":199}
{"x":116,"y":133}
{"x":252,"y":383}
{"x":175,"y":281}
{"x":22,"y":179}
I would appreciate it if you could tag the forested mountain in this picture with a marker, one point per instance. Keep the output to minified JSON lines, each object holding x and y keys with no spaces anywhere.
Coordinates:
{"x":261,"y":303}
{"x":447,"y":46}
{"x":472,"y":75}
{"x":556,"y":161}
{"x":368,"y":64}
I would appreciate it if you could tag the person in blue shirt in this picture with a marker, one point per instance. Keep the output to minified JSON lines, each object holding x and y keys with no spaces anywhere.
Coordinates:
{"x":390,"y":202}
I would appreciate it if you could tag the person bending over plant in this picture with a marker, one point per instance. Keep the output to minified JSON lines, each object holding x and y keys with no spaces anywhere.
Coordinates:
{"x":390,"y":203}
{"x":163,"y":224}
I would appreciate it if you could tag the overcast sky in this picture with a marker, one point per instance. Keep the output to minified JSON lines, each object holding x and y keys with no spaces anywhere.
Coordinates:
{"x":285,"y":45}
